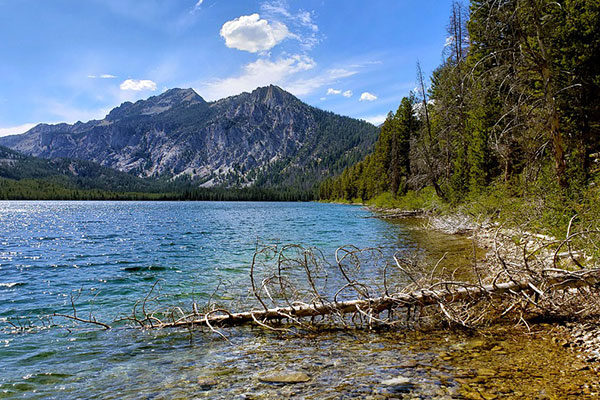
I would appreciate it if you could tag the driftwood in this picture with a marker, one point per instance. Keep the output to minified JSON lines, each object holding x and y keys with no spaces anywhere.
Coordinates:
{"x":293,"y":285}
{"x":560,"y":280}
{"x":397,"y":214}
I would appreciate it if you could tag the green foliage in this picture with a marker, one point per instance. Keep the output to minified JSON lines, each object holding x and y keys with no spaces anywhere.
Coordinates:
{"x":510,"y":127}
{"x":425,"y":199}
{"x":387,"y":168}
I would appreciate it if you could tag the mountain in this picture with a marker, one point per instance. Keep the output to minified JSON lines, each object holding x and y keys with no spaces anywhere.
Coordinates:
{"x":267,"y":138}
{"x":76,"y":174}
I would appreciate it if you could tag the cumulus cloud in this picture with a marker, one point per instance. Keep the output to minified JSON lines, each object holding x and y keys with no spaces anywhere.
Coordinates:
{"x":333,"y":91}
{"x":261,"y":72}
{"x":138,"y":85}
{"x":347,"y":93}
{"x":366,"y":96}
{"x":253,"y":34}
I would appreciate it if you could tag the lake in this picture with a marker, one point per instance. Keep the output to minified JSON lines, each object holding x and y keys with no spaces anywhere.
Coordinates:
{"x":105,"y":256}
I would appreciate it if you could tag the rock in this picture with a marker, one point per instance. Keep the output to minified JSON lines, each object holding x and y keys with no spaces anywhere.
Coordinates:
{"x":397,"y":381}
{"x":408,"y":364}
{"x":206,"y":383}
{"x":486,"y":372}
{"x":284,"y":377}
{"x":489,"y":396}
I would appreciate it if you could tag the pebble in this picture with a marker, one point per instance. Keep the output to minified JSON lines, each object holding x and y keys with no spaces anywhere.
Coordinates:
{"x":408,"y":364}
{"x":398,"y":381}
{"x":284,"y":377}
{"x":206,"y":383}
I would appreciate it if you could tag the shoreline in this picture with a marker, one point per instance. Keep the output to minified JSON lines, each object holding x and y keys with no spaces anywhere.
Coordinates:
{"x":581,"y":334}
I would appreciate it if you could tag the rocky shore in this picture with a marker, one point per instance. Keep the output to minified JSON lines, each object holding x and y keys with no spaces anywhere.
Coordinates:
{"x":578,"y":331}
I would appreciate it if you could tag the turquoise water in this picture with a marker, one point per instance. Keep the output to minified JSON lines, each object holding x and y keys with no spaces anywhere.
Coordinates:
{"x":109,"y":254}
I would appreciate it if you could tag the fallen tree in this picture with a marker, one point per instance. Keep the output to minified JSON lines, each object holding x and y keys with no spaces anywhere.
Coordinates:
{"x":451,"y":293}
{"x":296,"y":286}
{"x":291,"y":289}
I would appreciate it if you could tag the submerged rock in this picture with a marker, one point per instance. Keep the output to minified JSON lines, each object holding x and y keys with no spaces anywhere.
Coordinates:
{"x":408,"y":364}
{"x":397,"y":381}
{"x":283,"y":377}
{"x":206,"y":383}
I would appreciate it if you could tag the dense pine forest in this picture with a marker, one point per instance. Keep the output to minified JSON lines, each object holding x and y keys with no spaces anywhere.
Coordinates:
{"x":509,"y":120}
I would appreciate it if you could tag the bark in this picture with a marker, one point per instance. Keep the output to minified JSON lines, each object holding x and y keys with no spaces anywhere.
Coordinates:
{"x":452,"y":293}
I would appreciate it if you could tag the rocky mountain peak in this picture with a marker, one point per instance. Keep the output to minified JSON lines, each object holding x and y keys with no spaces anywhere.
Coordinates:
{"x":272,"y":95}
{"x":168,"y":100}
{"x":177,"y":94}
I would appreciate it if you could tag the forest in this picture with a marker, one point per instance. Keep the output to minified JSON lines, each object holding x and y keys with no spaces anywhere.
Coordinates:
{"x":509,"y":121}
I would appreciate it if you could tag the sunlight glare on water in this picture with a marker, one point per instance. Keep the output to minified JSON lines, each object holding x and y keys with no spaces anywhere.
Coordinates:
{"x":115,"y":251}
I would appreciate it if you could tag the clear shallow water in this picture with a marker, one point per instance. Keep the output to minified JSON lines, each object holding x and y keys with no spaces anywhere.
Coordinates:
{"x":114,"y":251}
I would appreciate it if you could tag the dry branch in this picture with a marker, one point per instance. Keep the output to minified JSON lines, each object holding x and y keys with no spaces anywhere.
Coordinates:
{"x":452,"y":293}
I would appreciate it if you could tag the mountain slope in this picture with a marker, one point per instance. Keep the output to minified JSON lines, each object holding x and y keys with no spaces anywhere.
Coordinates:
{"x":76,"y":174}
{"x":267,"y":138}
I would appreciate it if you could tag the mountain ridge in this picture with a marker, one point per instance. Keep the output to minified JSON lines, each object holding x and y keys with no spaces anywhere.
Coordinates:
{"x":266,"y":137}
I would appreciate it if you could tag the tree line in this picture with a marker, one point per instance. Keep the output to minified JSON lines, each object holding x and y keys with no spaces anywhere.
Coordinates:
{"x":516,"y":102}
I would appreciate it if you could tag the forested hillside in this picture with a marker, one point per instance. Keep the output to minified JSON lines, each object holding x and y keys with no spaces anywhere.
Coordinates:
{"x":24,"y":177}
{"x":513,"y":112}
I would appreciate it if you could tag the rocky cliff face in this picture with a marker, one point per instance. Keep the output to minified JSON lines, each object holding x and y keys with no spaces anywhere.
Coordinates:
{"x":267,"y":137}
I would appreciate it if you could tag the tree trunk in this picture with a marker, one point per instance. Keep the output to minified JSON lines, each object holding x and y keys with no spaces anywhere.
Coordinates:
{"x":453,"y":292}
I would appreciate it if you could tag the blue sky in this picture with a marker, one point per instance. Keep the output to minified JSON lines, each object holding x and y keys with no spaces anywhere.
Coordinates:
{"x":70,"y":60}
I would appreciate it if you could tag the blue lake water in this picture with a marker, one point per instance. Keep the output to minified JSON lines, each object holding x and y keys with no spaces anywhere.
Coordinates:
{"x":107,"y":255}
{"x":110,"y":253}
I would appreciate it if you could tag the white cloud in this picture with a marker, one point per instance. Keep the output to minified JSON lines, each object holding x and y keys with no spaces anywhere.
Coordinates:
{"x":197,"y":7}
{"x":305,"y":19}
{"x":305,"y":30}
{"x":276,"y":7}
{"x":138,"y":85}
{"x":103,"y":76}
{"x":252,"y":34}
{"x":261,"y":72}
{"x":342,"y":72}
{"x":366,"y":96}
{"x":302,"y":86}
{"x":323,"y":98}
{"x":331,"y":91}
{"x":16,"y":130}
{"x":376,"y":119}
